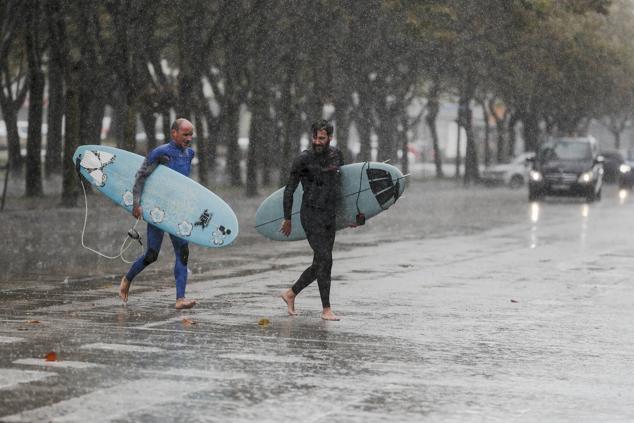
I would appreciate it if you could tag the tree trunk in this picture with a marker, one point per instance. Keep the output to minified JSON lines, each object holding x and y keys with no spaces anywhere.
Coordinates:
{"x":202,"y":145}
{"x":129,"y":129}
{"x":285,"y":135}
{"x":256,"y":137}
{"x":402,"y":136}
{"x":458,"y":152}
{"x":342,"y":129}
{"x":232,"y":115}
{"x":487,"y":134}
{"x":617,"y":139}
{"x":512,"y":136}
{"x":9,"y":114}
{"x":33,"y":177}
{"x":471,"y":173}
{"x":364,"y":129}
{"x":531,"y":130}
{"x":269,"y":145}
{"x":499,"y":131}
{"x":433,"y":107}
{"x":213,"y":133}
{"x":53,"y":162}
{"x":71,"y":139}
{"x":148,"y":120}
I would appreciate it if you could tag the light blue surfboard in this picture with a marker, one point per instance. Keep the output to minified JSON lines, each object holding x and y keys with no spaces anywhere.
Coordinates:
{"x":369,"y":188}
{"x":170,"y":201}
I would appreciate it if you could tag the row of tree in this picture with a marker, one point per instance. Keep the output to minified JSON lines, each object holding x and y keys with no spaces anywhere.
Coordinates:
{"x":549,"y":65}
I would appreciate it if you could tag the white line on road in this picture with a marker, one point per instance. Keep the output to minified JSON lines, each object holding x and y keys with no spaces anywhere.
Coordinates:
{"x":112,"y":403}
{"x":10,"y":339}
{"x":9,"y":378}
{"x":121,"y":347}
{"x":61,"y":363}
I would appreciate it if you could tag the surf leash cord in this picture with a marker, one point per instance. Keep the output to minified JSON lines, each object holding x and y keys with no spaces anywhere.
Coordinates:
{"x":132,"y":234}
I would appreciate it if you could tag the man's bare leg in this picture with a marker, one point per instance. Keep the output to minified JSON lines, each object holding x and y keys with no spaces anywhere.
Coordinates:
{"x":327,"y":314}
{"x":182,"y":303}
{"x":124,"y":289}
{"x":289,"y":298}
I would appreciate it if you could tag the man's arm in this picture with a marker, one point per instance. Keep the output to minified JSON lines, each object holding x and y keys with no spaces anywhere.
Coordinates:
{"x":291,"y":186}
{"x":143,"y":173}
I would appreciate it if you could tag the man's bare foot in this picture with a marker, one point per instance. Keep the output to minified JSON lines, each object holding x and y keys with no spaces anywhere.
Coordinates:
{"x":183,"y":303}
{"x":327,"y":314}
{"x":289,"y":298}
{"x":124,"y":288}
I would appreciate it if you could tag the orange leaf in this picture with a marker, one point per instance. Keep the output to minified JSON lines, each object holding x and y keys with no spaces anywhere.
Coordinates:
{"x":188,"y":322}
{"x":51,"y":356}
{"x":33,"y":321}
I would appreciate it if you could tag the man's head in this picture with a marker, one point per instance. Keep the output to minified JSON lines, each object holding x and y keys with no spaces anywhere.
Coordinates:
{"x":182,"y":132}
{"x":322,"y":134}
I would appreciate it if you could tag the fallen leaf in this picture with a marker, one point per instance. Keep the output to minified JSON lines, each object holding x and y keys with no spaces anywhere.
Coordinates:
{"x":264,"y":322}
{"x":33,"y":321}
{"x":51,"y":356}
{"x":188,"y":322}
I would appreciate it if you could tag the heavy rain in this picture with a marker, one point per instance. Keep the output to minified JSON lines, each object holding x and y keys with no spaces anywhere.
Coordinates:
{"x":490,"y":283}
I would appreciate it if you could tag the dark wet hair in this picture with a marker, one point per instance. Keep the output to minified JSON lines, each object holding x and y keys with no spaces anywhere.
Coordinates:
{"x":322,"y":124}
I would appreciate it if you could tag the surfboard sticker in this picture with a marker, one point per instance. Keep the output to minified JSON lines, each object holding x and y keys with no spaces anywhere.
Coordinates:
{"x":185,"y":228}
{"x":204,"y":219}
{"x":128,"y":198}
{"x":157,"y":215}
{"x":94,"y":162}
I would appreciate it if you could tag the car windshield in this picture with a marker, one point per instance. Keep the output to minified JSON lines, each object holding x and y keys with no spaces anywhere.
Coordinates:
{"x":565,"y":150}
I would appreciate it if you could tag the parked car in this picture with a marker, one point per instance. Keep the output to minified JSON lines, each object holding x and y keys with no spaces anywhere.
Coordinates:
{"x":612,"y":161}
{"x":567,"y":166}
{"x":513,"y":174}
{"x":626,"y":172}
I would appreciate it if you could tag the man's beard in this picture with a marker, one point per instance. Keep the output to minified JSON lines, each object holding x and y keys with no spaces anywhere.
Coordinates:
{"x":319,"y":149}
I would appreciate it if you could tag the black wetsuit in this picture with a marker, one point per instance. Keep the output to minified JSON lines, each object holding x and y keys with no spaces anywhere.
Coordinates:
{"x":320,"y":178}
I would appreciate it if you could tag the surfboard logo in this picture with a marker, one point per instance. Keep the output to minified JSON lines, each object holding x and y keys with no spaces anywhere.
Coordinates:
{"x":157,"y":215}
{"x":185,"y":228}
{"x":204,"y":219}
{"x":94,"y":162}
{"x":128,"y":198}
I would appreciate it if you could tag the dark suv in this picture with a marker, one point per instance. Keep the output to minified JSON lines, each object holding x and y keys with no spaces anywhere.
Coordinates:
{"x":567,"y":166}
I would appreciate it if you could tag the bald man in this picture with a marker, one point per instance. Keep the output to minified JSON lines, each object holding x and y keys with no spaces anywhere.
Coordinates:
{"x":176,"y":155}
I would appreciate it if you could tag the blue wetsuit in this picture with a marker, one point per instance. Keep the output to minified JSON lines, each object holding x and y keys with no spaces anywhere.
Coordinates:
{"x":180,"y":160}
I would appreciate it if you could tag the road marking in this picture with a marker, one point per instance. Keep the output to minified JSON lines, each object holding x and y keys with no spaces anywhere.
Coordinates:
{"x":121,"y":347}
{"x":9,"y":378}
{"x":61,"y":363}
{"x":113,"y":403}
{"x":10,"y":339}
{"x":264,"y":358}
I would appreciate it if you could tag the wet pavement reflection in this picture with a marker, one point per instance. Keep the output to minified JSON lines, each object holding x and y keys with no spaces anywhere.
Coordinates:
{"x":527,"y":320}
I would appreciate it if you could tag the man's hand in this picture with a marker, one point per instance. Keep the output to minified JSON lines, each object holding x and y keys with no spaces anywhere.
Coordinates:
{"x":137,"y":211}
{"x":286,"y":227}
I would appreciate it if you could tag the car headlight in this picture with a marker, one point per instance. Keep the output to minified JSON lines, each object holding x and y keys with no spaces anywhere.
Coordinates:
{"x":585,"y":177}
{"x":625,"y":168}
{"x":535,"y":176}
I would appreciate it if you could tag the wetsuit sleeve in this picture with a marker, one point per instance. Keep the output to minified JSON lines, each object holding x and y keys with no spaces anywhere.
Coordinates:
{"x":291,"y":186}
{"x":149,"y":165}
{"x":340,"y":159}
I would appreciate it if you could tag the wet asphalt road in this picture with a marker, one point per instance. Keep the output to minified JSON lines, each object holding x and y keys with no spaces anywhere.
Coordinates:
{"x":529,"y":321}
